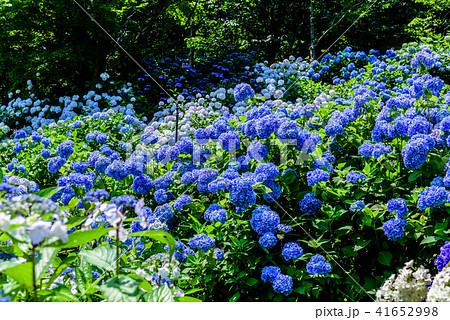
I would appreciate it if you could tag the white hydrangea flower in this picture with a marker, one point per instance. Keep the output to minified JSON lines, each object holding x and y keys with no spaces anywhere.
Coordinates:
{"x":409,"y":286}
{"x":38,"y":231}
{"x":440,"y":289}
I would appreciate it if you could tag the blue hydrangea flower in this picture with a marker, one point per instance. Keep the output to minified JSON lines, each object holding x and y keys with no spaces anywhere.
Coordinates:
{"x":242,"y":194}
{"x":164,"y":212}
{"x":230,"y":141}
{"x":333,"y":128}
{"x":309,"y":204}
{"x":269,"y":274}
{"x":282,"y":228}
{"x":218,"y":254}
{"x":182,"y":201}
{"x":79,"y":167}
{"x":292,"y":250}
{"x":379,"y":149}
{"x":355,"y":177}
{"x":101,"y":138}
{"x":124,"y":201}
{"x":395,"y":228}
{"x":268,"y":240}
{"x":161,"y":196}
{"x":258,"y":151}
{"x":215,"y":212}
{"x":65,"y":149}
{"x":357,"y":205}
{"x":142,"y":184}
{"x":398,"y":207}
{"x":165,"y":181}
{"x":243,"y":92}
{"x":118,"y":171}
{"x":18,"y":148}
{"x":185,"y":145}
{"x":266,"y":172}
{"x":202,"y":241}
{"x":323,"y":162}
{"x":283,"y":284}
{"x":329,"y":156}
{"x":444,"y":257}
{"x":317,"y":265}
{"x":96,"y":195}
{"x":101,"y":164}
{"x":149,"y":138}
{"x":45,"y":153}
{"x":438,"y":182}
{"x":432,"y":197}
{"x":202,"y":135}
{"x":20,"y":134}
{"x":55,"y":164}
{"x":264,"y":220}
{"x":317,"y":176}
{"x":230,"y":174}
{"x":288,"y":131}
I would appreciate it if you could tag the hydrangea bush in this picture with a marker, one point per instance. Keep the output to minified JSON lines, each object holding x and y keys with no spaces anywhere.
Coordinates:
{"x":287,"y":187}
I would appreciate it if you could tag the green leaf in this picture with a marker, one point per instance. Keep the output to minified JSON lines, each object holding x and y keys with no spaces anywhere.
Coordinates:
{"x":79,"y":237}
{"x":289,"y":177}
{"x":262,"y":188}
{"x":385,"y":258}
{"x":75,"y":221}
{"x":103,"y":257}
{"x":72,"y":204}
{"x":21,"y":273}
{"x":63,"y":266}
{"x":121,"y":289}
{"x":361,"y":244}
{"x":430,"y":239}
{"x":413,"y":176}
{"x":43,"y":261}
{"x":64,"y":293}
{"x":235,"y":297}
{"x":160,"y":236}
{"x":250,"y":282}
{"x":162,"y":294}
{"x":47,"y":193}
{"x":187,"y":299}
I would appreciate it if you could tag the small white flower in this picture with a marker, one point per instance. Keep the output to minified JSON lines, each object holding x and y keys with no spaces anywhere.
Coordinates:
{"x":59,"y":230}
{"x":5,"y":221}
{"x":39,"y":231}
{"x":163,"y":272}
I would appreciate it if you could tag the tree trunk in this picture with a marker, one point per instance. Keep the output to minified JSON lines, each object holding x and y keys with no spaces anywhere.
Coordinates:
{"x":312,"y":48}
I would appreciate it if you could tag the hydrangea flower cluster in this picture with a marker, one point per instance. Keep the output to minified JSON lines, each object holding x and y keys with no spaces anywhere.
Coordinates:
{"x":408,"y":286}
{"x":317,"y":265}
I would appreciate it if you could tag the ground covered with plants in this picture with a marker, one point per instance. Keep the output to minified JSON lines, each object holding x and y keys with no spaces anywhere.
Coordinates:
{"x":295,"y":181}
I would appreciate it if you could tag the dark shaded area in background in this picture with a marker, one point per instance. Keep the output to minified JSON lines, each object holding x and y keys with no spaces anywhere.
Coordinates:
{"x":59,"y":41}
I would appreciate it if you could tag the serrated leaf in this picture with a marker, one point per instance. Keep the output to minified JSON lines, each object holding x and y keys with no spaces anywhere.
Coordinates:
{"x":162,"y":294}
{"x":21,"y":273}
{"x":103,"y":257}
{"x":160,"y":236}
{"x":43,"y":261}
{"x":385,"y":258}
{"x":121,"y":289}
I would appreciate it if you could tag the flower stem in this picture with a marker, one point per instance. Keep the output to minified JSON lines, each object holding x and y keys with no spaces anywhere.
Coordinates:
{"x":34,"y":273}
{"x":117,"y":252}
